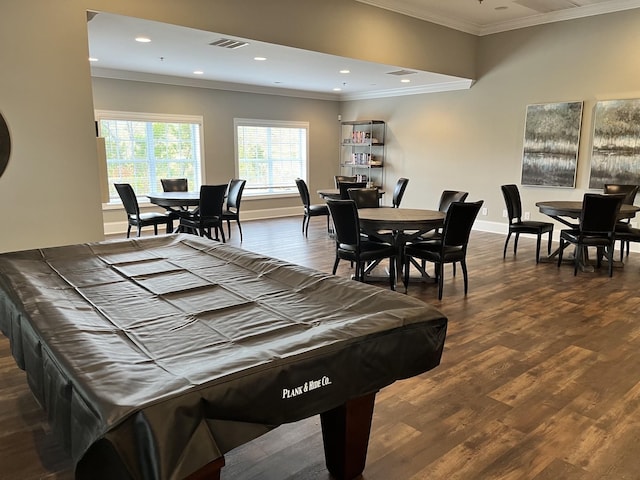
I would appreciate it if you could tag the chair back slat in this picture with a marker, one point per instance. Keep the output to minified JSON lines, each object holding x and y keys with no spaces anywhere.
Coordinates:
{"x":629,"y":191}
{"x":174,"y":184}
{"x":450,"y":196}
{"x":128,"y":197}
{"x":234,"y":193}
{"x":345,"y":186}
{"x":346,"y":221}
{"x":458,"y":223}
{"x":599,"y":213}
{"x":513,"y":202}
{"x":398,"y":192}
{"x":211,"y":200}
{"x":365,"y":197}
{"x":304,"y":192}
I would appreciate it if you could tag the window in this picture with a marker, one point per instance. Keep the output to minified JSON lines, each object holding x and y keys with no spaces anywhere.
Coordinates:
{"x":143,"y":148}
{"x":270,"y":155}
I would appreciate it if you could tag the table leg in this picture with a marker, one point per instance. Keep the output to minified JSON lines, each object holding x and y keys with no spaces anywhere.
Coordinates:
{"x":345,"y":433}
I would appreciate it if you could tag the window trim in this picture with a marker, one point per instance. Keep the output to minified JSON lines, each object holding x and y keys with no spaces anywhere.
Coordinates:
{"x":253,"y":122}
{"x":152,"y":117}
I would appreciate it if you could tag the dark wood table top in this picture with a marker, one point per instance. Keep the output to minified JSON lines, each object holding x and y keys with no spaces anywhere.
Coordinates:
{"x":573,"y":208}
{"x":334,"y":193}
{"x":400,"y":219}
{"x":175,"y":199}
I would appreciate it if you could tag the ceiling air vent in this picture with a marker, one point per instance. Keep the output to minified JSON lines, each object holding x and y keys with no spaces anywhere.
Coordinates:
{"x":401,"y":72}
{"x":228,"y":43}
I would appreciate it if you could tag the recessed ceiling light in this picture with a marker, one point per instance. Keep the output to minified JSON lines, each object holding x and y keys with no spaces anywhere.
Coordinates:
{"x":198,"y":72}
{"x":143,"y":39}
{"x":405,"y":80}
{"x":501,"y":8}
{"x":337,"y":89}
{"x":93,"y":59}
{"x":260,"y":59}
{"x":345,"y":71}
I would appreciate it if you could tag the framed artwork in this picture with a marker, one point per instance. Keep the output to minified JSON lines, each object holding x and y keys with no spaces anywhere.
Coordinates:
{"x":615,"y":155}
{"x":551,"y":142}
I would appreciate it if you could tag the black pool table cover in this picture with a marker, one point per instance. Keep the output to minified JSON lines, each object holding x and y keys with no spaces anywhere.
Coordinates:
{"x":157,"y":355}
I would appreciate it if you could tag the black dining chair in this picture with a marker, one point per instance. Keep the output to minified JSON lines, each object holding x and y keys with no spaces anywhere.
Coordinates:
{"x":629,"y":192}
{"x":174,"y":184}
{"x":309,"y":209}
{"x":447,"y":197}
{"x":343,"y":178}
{"x":209,"y":213}
{"x":351,"y":246}
{"x":398,"y":191}
{"x":596,"y":229}
{"x":518,"y":226}
{"x":451,"y":247}
{"x":345,"y":186}
{"x":137,"y":219}
{"x":365,"y":197}
{"x":232,"y":207}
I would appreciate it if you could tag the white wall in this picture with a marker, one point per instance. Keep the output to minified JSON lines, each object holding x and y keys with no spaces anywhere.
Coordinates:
{"x":472,"y":140}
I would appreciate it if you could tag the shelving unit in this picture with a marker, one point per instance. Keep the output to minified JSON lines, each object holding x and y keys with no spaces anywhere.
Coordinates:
{"x":362,"y":150}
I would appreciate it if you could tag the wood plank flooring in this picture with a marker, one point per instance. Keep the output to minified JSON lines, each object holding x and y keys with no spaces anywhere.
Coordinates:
{"x":540,"y":379}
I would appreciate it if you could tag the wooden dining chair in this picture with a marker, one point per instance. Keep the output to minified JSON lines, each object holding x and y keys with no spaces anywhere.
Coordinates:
{"x":351,"y":246}
{"x":629,"y":192}
{"x":137,"y":219}
{"x":320,"y":210}
{"x":451,"y":247}
{"x":518,"y":226}
{"x":232,"y":207}
{"x":209,"y":213}
{"x":596,"y":229}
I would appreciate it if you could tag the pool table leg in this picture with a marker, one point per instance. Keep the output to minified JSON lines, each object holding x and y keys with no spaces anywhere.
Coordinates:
{"x":211,"y":471}
{"x":345,"y":433}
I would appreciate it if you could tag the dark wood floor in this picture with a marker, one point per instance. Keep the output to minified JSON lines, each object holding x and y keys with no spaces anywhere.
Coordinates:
{"x":540,"y":379}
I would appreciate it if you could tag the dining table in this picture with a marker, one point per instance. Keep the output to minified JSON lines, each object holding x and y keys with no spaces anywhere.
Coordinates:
{"x":334,"y":193}
{"x":175,"y":200}
{"x":399,"y":226}
{"x":568,"y":213}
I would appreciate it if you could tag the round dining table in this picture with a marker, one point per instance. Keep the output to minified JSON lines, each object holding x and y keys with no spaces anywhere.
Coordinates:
{"x":171,"y":200}
{"x":564,"y":211}
{"x":398,"y":226}
{"x":560,"y":210}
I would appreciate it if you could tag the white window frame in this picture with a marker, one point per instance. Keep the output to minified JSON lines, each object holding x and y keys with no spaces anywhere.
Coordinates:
{"x":250,"y":122}
{"x":161,"y":118}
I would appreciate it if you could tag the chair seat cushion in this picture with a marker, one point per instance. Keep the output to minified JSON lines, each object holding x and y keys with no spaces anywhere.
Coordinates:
{"x":318,"y":209}
{"x":368,"y":250}
{"x":628,"y":233}
{"x":572,"y":236}
{"x":151,"y":218}
{"x":531,"y":226}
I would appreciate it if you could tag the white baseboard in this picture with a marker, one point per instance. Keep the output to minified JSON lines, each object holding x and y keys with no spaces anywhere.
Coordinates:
{"x":120,"y":227}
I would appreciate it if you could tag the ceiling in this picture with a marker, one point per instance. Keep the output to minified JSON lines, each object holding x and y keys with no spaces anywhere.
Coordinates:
{"x":175,"y":53}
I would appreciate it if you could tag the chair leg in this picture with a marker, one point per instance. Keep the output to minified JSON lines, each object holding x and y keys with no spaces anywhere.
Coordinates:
{"x":392,"y":273}
{"x":304,"y":219}
{"x":240,"y":229}
{"x":610,"y":250}
{"x":516,"y":237}
{"x":538,"y":248}
{"x":139,"y":230}
{"x":128,"y":230}
{"x":506,"y":243}
{"x":229,"y":228}
{"x":560,"y":251}
{"x":335,"y":265}
{"x":440,"y":267}
{"x":463,"y":264}
{"x":549,"y":242}
{"x":155,"y":229}
{"x":407,"y":261}
{"x":221,"y":228}
{"x":306,"y":230}
{"x":576,"y":260}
